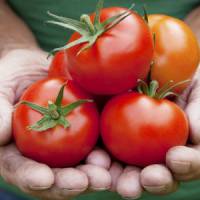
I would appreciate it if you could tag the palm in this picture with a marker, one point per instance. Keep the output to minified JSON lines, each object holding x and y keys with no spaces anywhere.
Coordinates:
{"x":182,"y":163}
{"x":18,"y":70}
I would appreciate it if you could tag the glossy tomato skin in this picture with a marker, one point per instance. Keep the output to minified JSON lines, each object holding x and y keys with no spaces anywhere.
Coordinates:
{"x":118,"y":58}
{"x":139,"y":130}
{"x":59,"y":66}
{"x":176,"y":55}
{"x":57,"y":147}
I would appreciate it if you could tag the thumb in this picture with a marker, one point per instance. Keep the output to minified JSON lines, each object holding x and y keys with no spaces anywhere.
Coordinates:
{"x":191,"y":98}
{"x":193,"y":112}
{"x":18,"y":70}
{"x":5,"y":120}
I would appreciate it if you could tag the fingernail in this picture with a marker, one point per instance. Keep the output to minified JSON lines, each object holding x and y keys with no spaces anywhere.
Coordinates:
{"x":181,"y":167}
{"x":132,"y":198}
{"x":73,"y":190}
{"x":38,"y":187}
{"x":99,"y":189}
{"x":155,"y":189}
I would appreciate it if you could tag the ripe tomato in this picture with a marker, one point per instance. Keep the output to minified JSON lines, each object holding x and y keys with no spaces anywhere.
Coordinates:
{"x":139,"y":130}
{"x":59,"y":66}
{"x":110,"y":49}
{"x":117,"y":59}
{"x":57,"y":146}
{"x":176,"y":55}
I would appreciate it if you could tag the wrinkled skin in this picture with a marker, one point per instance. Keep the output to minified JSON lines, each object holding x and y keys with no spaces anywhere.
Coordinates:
{"x":194,"y":23}
{"x":19,"y":69}
{"x":20,"y":66}
{"x":182,"y":162}
{"x":98,"y":172}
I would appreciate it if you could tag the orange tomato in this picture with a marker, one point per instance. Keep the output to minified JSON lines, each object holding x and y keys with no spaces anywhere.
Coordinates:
{"x":176,"y":53}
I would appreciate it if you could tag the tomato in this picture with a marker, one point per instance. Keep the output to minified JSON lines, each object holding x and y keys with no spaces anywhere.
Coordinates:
{"x":59,"y":66}
{"x":176,"y":55}
{"x":57,"y":146}
{"x":139,"y":130}
{"x":106,"y":59}
{"x":118,"y":58}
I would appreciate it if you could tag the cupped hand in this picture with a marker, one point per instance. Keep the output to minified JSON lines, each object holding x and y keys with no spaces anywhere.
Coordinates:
{"x":18,"y":69}
{"x":41,"y":181}
{"x":182,"y":162}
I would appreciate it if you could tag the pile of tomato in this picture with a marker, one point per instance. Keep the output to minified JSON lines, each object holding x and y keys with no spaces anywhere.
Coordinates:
{"x":111,"y":81}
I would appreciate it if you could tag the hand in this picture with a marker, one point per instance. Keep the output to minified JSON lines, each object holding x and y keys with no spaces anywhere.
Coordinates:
{"x":182,"y":162}
{"x":55,"y":184}
{"x":193,"y":20}
{"x":18,"y":69}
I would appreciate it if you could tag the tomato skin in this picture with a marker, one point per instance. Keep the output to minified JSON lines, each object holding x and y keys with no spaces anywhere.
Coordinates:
{"x":57,"y":147}
{"x":118,"y":58}
{"x":139,"y":130}
{"x":176,"y":54}
{"x":59,"y":66}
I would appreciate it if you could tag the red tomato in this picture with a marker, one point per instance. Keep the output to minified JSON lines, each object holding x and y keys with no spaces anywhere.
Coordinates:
{"x":176,"y":55}
{"x":139,"y":130}
{"x":59,"y":66}
{"x":58,"y":146}
{"x":117,"y":59}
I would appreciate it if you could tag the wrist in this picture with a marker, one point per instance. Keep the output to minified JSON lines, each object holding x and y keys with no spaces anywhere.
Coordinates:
{"x":14,"y":32}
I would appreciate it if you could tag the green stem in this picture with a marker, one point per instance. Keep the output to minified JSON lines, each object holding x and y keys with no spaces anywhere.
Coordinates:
{"x":88,"y":30}
{"x":54,"y":114}
{"x":86,"y":19}
{"x":53,"y":108}
{"x":152,"y":89}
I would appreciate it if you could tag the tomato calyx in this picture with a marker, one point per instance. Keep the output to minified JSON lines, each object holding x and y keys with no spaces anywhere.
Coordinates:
{"x":54,"y":114}
{"x":89,"y":31}
{"x":154,"y":91}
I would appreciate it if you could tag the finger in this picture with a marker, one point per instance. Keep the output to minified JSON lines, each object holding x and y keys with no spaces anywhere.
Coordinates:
{"x":193,"y":114}
{"x":99,"y":178}
{"x":99,"y":158}
{"x":22,"y":68}
{"x":116,"y":170}
{"x":5,"y":120}
{"x":69,"y":182}
{"x":183,"y":98}
{"x":192,"y":103}
{"x":184,"y":162}
{"x":193,"y":21}
{"x":22,"y":172}
{"x":35,"y":69}
{"x":128,"y":184}
{"x":18,"y":69}
{"x":157,"y":179}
